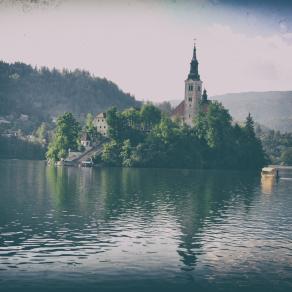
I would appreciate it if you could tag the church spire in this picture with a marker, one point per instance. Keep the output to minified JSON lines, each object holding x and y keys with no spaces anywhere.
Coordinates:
{"x":194,"y":71}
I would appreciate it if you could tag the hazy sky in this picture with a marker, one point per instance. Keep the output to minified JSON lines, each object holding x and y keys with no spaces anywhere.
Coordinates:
{"x":146,"y":46}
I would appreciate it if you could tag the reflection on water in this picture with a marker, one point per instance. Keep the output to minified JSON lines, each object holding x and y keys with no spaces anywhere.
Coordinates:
{"x":156,"y":229}
{"x":267,"y":184}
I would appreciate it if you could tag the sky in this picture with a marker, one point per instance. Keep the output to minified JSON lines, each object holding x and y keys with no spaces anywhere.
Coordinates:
{"x":145,"y":47}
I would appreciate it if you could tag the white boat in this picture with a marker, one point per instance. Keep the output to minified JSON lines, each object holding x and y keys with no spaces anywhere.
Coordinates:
{"x":270,"y":172}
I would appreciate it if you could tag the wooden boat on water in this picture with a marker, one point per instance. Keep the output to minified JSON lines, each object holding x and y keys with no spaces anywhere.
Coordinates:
{"x":270,"y":172}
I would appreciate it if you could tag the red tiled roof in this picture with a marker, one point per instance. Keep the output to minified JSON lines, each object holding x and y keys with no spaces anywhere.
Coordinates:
{"x":179,"y":110}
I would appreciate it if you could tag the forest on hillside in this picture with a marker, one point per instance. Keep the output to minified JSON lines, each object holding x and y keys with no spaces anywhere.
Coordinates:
{"x":30,"y":96}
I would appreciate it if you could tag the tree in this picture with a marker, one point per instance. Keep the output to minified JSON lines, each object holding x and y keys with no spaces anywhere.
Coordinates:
{"x":132,"y":117}
{"x":214,"y":129}
{"x":275,"y":144}
{"x":286,"y":156}
{"x":132,"y":129}
{"x":249,"y":127}
{"x":89,"y":121}
{"x":125,"y":125}
{"x":254,"y":155}
{"x":128,"y":154}
{"x":90,"y":128}
{"x":111,"y":153}
{"x":115,"y":124}
{"x":41,"y":132}
{"x":148,"y":139}
{"x":150,"y":116}
{"x":66,"y":137}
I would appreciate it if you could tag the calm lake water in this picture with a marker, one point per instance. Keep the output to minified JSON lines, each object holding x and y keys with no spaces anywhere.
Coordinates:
{"x":113,"y":229}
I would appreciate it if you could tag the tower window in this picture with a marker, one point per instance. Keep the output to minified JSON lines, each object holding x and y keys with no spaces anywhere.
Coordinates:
{"x":199,"y":88}
{"x":190,"y":99}
{"x":191,"y":87}
{"x":189,"y":116}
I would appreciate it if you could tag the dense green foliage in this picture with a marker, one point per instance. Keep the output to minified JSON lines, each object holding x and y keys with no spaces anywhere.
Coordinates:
{"x":286,"y":156}
{"x":15,"y":148}
{"x":42,"y":94}
{"x":90,"y":129}
{"x":66,"y":137}
{"x":277,"y":145}
{"x":146,"y":138}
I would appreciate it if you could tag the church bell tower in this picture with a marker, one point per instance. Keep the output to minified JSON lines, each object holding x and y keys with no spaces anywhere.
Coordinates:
{"x":193,"y":91}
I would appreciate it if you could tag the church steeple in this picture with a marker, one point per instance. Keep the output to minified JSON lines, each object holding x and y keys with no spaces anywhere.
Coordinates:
{"x":194,"y":71}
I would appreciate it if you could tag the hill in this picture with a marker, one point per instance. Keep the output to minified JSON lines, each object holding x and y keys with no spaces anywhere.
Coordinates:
{"x":39,"y":94}
{"x":272,"y":109}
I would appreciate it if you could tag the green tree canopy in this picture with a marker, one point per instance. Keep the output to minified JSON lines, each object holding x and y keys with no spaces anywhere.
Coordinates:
{"x":66,"y":137}
{"x":286,"y":156}
{"x":146,"y":138}
{"x":150,"y":116}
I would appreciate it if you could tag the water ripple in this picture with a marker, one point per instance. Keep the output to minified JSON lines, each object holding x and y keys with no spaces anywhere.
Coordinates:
{"x":202,"y":229}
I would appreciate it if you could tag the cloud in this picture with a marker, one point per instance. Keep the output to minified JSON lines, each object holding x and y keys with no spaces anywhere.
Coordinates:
{"x":147,"y":51}
{"x":233,"y":62}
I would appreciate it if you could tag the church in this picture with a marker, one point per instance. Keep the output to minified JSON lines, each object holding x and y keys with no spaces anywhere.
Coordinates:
{"x":194,"y":101}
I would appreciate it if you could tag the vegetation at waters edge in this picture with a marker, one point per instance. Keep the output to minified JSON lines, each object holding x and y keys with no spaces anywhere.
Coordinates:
{"x":15,"y":148}
{"x":277,"y":145}
{"x":66,"y":137}
{"x":286,"y":156}
{"x":148,"y":138}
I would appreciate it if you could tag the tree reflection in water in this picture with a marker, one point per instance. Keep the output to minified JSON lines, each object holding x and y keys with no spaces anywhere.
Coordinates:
{"x":195,"y":197}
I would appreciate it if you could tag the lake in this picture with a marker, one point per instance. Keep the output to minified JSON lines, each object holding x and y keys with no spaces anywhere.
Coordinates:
{"x":119,"y":229}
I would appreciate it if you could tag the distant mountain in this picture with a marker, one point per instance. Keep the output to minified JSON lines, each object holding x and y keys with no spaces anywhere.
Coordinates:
{"x":42,"y":94}
{"x":174,"y":102}
{"x":272,"y":109}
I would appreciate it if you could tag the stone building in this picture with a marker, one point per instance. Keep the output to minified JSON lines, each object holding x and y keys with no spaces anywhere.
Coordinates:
{"x":101,"y":124}
{"x":194,"y":100}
